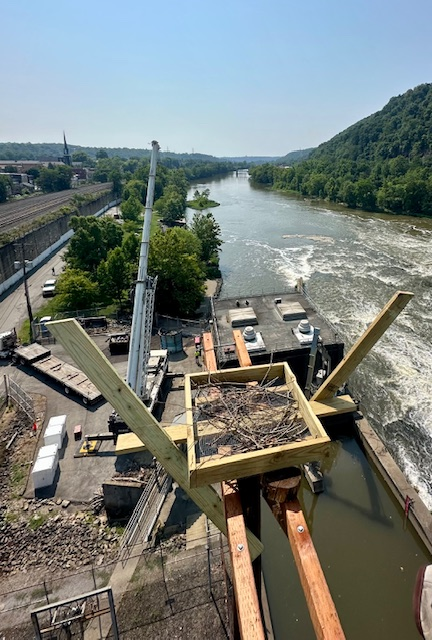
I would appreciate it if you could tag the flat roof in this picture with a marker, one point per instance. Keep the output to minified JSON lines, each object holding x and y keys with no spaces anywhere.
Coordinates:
{"x":276,"y":332}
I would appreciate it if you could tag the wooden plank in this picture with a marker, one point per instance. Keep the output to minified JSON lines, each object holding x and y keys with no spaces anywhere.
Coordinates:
{"x":337,"y":405}
{"x":241,"y":374}
{"x":137,"y":416}
{"x":322,"y":610}
{"x":213,"y":470}
{"x":130,"y":442}
{"x":362,"y":346}
{"x":247,"y":600}
{"x":209,"y":359}
{"x":241,"y":349}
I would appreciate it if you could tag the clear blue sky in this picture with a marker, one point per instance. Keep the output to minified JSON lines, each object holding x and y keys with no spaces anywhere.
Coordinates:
{"x":223,"y":77}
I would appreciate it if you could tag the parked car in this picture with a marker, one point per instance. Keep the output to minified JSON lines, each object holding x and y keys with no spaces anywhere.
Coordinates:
{"x":49,"y":287}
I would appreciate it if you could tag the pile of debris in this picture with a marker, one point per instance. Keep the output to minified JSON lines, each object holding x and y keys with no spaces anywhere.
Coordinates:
{"x":45,"y":535}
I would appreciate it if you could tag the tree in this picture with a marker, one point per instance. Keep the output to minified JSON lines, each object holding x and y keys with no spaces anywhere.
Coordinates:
{"x":115,"y":177}
{"x":4,"y":188}
{"x":131,"y":208}
{"x":131,"y":247}
{"x":101,"y":154}
{"x":114,"y":275}
{"x":55,"y":179}
{"x":76,"y":291}
{"x":171,"y":206}
{"x":208,"y":232}
{"x":93,"y":239}
{"x":174,"y":258}
{"x":81,"y":156}
{"x":10,"y":169}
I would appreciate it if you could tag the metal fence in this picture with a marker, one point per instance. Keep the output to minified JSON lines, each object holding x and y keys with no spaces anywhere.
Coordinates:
{"x":11,"y":391}
{"x":146,"y":512}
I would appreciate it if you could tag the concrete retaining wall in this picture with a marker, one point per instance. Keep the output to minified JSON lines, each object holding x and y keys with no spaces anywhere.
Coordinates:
{"x":41,"y":243}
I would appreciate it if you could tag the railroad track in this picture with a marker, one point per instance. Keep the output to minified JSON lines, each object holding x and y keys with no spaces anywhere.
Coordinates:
{"x":14,"y":214}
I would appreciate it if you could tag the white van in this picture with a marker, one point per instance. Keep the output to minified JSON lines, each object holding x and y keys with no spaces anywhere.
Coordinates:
{"x":49,"y":287}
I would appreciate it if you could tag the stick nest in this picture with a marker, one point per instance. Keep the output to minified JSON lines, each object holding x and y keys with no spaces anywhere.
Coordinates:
{"x":247,"y":417}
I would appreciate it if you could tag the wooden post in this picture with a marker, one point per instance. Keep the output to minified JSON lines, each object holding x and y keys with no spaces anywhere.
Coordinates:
{"x":363,"y":345}
{"x":323,"y":613}
{"x":280,"y":489}
{"x":241,"y":349}
{"x":138,"y":418}
{"x":247,"y":600}
{"x":209,"y":359}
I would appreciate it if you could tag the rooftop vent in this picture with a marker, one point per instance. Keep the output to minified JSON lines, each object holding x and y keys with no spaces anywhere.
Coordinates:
{"x":304,"y":326}
{"x":249,"y":334}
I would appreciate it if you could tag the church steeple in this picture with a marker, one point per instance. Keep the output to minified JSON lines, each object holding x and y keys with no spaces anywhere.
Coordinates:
{"x":66,"y":155}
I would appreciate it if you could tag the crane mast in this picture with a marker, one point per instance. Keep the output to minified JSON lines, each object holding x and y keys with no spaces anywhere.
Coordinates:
{"x":144,"y":299}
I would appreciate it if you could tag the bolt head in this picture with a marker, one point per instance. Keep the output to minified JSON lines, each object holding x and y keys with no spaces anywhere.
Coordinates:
{"x":240,"y":547}
{"x":300,"y":528}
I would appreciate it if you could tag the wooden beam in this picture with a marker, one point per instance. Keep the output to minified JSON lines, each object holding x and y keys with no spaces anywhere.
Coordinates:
{"x":137,"y":416}
{"x":209,"y":359}
{"x":241,"y":349}
{"x":363,"y":345}
{"x":322,"y":610}
{"x":130,"y":442}
{"x":331,"y":407}
{"x":247,"y":600}
{"x":210,"y":470}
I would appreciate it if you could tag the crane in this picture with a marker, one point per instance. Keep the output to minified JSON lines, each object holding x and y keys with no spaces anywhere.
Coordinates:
{"x":144,"y":299}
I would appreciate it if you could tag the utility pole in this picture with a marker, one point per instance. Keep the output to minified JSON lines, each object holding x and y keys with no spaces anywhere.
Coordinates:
{"x":26,"y":289}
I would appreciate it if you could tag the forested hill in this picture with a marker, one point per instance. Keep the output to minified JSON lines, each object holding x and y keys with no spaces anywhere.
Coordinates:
{"x":381,"y":163}
{"x":47,"y":151}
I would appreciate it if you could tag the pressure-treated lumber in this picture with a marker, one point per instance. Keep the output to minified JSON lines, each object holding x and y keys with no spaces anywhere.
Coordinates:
{"x":363,"y":345}
{"x":241,"y":349}
{"x":322,"y":610}
{"x":130,"y":442}
{"x":209,"y":359}
{"x":247,"y":600}
{"x":332,"y":406}
{"x":211,"y":470}
{"x":138,"y":418}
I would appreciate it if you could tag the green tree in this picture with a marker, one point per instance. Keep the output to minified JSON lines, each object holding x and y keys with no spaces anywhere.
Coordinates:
{"x":10,"y":169}
{"x":4,"y":188}
{"x":171,"y":206}
{"x":131,"y":247}
{"x":81,"y":156}
{"x":55,"y":179}
{"x":93,"y":239}
{"x":208,"y":232}
{"x":131,"y":208}
{"x":114,"y":275}
{"x":115,"y":177}
{"x":76,"y":291}
{"x":174,"y":258}
{"x":101,"y":154}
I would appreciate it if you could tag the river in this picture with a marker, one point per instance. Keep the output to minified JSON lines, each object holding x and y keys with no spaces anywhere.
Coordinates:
{"x":352,"y":263}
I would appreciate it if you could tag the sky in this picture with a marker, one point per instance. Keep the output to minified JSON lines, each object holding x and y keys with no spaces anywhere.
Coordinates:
{"x":219,"y":77}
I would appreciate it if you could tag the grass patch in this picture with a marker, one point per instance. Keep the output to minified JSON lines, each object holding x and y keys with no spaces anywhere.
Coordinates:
{"x":37,"y":520}
{"x":18,"y":474}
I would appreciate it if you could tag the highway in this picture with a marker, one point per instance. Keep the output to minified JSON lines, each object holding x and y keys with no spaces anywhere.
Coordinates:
{"x":13,"y":214}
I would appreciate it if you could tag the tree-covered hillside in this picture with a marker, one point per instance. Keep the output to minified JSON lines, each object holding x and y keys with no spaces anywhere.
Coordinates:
{"x":381,"y":163}
{"x":46,"y":151}
{"x":295,"y":156}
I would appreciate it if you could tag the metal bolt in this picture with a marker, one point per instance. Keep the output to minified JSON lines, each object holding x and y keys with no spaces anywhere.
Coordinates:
{"x":300,"y":528}
{"x":240,"y":547}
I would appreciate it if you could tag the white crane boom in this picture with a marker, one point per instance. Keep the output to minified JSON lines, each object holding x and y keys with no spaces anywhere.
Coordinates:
{"x":141,"y":329}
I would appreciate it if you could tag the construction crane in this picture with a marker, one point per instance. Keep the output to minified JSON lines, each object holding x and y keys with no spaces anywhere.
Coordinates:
{"x":144,"y":298}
